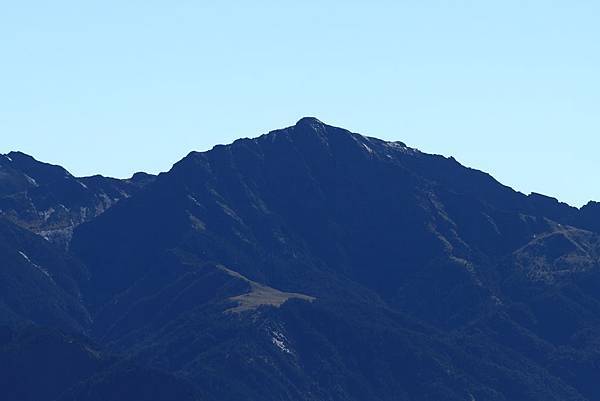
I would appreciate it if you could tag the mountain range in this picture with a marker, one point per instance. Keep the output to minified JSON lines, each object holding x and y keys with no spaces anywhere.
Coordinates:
{"x":310,"y":263}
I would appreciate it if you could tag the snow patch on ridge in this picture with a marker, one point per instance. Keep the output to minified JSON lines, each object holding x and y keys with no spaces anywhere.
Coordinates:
{"x":41,"y":269}
{"x":280,"y":341}
{"x":31,"y":181}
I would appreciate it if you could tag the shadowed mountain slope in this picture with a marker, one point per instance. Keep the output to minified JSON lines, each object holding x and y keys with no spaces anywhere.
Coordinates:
{"x":49,"y":201}
{"x":38,"y":283}
{"x":313,"y":263}
{"x":355,"y":222}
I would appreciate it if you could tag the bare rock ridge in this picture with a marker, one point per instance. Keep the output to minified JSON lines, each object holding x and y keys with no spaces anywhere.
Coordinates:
{"x":51,"y":202}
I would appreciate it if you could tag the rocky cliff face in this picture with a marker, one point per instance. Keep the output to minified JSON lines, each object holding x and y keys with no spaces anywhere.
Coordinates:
{"x":49,"y":201}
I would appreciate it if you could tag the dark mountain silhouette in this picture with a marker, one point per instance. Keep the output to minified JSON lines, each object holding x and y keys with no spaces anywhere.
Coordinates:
{"x":40,"y":363}
{"x":313,"y":263}
{"x":38,"y":283}
{"x":49,"y":201}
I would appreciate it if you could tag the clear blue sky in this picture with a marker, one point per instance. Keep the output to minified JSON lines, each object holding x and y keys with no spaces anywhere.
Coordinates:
{"x":113,"y":87}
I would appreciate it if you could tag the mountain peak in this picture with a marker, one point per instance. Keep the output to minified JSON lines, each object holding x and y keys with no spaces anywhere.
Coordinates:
{"x":39,"y":171}
{"x":309,"y":122}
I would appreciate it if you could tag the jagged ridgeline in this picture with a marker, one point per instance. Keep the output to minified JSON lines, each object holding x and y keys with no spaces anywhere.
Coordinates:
{"x":310,"y":263}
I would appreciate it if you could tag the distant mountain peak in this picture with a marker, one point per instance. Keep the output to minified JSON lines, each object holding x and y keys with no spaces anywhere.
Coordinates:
{"x":34,"y":168}
{"x":48,"y":200}
{"x":363,"y":269}
{"x":309,"y":122}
